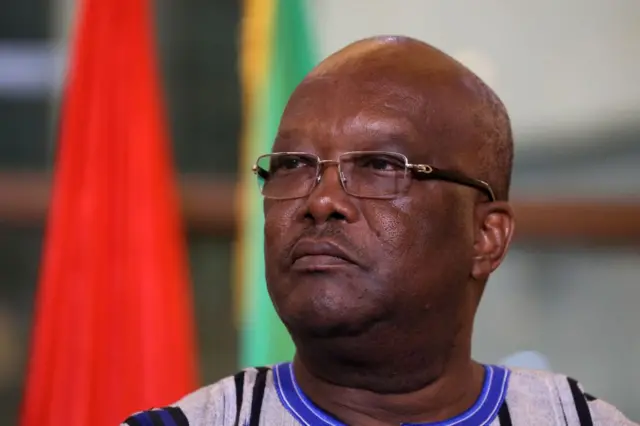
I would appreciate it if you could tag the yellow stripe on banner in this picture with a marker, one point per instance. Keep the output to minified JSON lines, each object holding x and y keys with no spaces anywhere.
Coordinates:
{"x":255,"y":54}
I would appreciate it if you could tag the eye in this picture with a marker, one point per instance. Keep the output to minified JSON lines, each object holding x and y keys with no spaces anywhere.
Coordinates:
{"x":288,"y":163}
{"x":381,"y":162}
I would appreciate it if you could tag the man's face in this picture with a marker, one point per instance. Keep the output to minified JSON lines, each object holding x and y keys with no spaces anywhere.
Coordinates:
{"x":409,"y":257}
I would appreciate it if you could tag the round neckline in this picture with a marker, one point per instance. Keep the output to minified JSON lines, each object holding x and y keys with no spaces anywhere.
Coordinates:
{"x":481,"y":413}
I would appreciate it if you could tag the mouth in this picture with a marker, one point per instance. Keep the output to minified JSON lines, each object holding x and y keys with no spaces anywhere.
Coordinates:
{"x":319,"y":256}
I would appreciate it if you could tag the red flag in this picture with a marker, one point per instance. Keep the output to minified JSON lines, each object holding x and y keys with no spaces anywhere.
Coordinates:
{"x":113,"y":330}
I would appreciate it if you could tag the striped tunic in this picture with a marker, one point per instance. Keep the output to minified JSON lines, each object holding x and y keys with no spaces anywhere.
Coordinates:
{"x":270,"y":396}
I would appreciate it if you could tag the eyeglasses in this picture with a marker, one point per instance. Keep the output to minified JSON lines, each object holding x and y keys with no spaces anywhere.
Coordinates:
{"x":363,"y":174}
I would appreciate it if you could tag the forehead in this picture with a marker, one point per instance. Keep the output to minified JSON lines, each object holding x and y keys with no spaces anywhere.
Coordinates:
{"x":329,"y":115}
{"x":333,"y":130}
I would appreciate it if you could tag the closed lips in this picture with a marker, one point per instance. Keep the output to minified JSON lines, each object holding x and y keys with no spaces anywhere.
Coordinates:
{"x":320,"y":248}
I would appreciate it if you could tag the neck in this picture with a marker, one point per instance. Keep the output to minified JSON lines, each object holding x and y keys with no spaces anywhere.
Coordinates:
{"x":443,"y":397}
{"x":363,"y":387}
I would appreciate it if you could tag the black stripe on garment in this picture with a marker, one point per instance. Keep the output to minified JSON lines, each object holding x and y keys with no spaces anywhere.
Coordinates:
{"x":584,"y":415}
{"x":177,"y":415}
{"x":156,"y":418}
{"x":504,"y":416}
{"x":132,"y":421}
{"x":168,"y":416}
{"x":258,"y":395}
{"x":239,"y":382}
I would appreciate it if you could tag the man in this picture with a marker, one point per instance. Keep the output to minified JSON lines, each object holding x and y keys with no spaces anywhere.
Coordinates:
{"x":386,"y":210}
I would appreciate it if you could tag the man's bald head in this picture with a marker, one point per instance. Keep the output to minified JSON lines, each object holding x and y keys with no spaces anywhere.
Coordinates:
{"x":376,"y":250}
{"x":464,"y":113}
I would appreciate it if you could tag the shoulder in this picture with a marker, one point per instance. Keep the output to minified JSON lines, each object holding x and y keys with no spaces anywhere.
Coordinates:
{"x":561,"y":397}
{"x":213,"y":405}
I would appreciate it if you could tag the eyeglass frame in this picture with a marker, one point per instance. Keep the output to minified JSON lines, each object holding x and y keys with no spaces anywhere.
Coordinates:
{"x":424,"y":171}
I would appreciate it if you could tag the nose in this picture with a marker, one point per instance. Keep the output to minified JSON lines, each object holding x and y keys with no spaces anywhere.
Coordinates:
{"x":328,"y":200}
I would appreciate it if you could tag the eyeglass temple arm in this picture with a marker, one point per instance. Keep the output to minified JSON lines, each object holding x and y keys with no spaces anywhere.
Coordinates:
{"x":451,"y":176}
{"x":260,"y":171}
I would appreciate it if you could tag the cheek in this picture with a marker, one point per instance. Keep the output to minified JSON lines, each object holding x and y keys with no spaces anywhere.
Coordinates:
{"x":390,"y":237}
{"x":279,"y":218}
{"x":412,"y":231}
{"x":395,"y":226}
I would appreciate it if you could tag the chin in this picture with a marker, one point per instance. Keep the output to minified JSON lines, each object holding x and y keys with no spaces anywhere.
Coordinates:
{"x":330,"y":312}
{"x":329,"y":327}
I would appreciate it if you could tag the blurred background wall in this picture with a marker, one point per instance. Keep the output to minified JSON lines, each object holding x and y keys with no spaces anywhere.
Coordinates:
{"x":567,"y":71}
